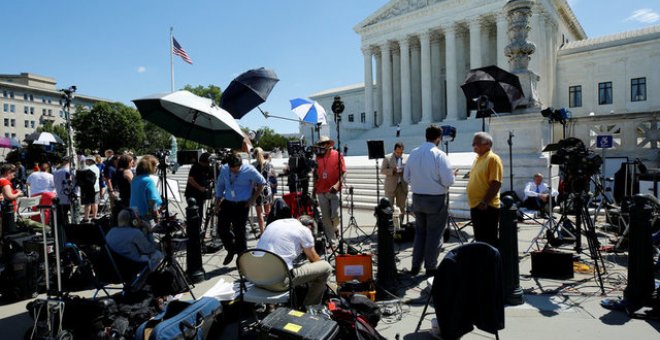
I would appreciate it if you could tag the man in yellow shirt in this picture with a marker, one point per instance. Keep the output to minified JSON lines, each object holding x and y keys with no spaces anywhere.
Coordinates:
{"x":483,"y":190}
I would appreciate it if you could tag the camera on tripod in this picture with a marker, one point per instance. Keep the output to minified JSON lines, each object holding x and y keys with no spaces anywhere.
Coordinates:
{"x":577,"y":164}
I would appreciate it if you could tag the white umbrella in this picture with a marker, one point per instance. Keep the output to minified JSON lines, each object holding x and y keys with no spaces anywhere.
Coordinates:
{"x":192,"y":117}
{"x":44,"y":138}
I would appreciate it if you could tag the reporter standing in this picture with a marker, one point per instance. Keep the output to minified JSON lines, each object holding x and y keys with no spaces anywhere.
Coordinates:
{"x":144,"y":194}
{"x":236,"y":189}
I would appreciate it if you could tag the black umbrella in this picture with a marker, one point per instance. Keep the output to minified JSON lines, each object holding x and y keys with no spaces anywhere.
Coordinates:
{"x":247,"y":91}
{"x":502,"y":88}
{"x":43,"y":138}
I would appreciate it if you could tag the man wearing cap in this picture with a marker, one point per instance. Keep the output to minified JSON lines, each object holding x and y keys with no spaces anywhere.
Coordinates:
{"x":328,"y":177}
{"x":236,"y":189}
{"x":198,"y":182}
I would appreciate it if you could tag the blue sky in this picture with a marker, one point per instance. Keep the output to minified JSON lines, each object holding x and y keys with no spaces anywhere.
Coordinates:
{"x":120,"y":49}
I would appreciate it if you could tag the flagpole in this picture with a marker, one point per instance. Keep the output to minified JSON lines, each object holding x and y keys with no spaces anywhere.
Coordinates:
{"x":171,"y":60}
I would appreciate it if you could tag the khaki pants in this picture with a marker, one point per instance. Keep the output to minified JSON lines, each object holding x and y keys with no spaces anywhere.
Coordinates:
{"x":315,"y":274}
{"x":329,"y":204}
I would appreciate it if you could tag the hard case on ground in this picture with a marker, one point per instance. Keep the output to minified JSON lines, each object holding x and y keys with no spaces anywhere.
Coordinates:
{"x":182,"y":320}
{"x":285,"y":323}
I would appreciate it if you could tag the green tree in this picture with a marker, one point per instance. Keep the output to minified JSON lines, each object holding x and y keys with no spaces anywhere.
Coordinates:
{"x":155,"y":138}
{"x":212,"y":92}
{"x":108,"y":126}
{"x":271,"y":139}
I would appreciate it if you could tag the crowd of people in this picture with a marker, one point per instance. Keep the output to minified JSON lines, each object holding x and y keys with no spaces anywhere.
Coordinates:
{"x":230,"y":187}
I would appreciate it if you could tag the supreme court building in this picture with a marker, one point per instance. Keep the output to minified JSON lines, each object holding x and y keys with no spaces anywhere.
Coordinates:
{"x":418,"y":52}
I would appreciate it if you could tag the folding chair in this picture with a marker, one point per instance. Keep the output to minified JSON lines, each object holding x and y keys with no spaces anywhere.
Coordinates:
{"x":26,"y":207}
{"x":269,"y":277}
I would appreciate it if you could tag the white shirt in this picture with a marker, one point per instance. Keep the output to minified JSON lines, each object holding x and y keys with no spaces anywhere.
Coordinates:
{"x":97,"y":172}
{"x":40,"y":181}
{"x":428,"y":170}
{"x":286,"y":238}
{"x":531,"y":190}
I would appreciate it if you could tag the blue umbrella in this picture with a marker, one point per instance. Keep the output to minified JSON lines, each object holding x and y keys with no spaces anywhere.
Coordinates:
{"x":309,"y":111}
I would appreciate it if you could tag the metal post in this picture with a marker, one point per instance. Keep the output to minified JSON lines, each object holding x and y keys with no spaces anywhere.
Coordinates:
{"x":509,"y":251}
{"x":194,"y":265}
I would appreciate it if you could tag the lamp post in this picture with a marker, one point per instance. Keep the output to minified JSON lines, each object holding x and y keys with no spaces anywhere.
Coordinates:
{"x":68,"y":95}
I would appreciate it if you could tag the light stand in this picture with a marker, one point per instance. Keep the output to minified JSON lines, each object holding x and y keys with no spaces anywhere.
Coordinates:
{"x":484,"y":110}
{"x":337,"y":109}
{"x":68,"y":95}
{"x":448,"y":135}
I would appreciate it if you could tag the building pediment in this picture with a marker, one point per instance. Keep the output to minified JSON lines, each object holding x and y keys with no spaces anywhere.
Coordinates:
{"x":396,"y":9}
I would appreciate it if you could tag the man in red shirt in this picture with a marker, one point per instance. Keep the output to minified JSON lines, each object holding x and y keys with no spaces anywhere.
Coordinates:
{"x":328,"y":180}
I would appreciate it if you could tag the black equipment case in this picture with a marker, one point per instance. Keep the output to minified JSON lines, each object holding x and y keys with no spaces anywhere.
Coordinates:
{"x":552,"y":264}
{"x":285,"y":323}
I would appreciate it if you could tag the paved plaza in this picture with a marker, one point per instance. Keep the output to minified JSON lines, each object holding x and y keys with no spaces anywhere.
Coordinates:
{"x":553,"y":309}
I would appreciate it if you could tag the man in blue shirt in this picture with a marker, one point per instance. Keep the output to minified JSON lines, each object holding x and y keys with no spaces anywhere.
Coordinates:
{"x":236,"y":189}
{"x":430,"y":174}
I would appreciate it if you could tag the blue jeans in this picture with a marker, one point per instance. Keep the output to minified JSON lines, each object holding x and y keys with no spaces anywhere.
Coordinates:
{"x":430,"y":222}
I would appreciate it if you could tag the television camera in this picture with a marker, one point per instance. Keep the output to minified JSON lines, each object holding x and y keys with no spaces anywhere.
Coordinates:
{"x":562,"y":115}
{"x":577,"y":164}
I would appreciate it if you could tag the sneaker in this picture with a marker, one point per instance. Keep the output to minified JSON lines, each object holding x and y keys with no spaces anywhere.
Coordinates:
{"x":229,"y":258}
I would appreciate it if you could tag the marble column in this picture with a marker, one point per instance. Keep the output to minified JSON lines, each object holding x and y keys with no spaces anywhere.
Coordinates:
{"x":387,"y":83}
{"x":406,"y":113}
{"x":368,"y":88}
{"x":425,"y":59}
{"x":452,"y":80}
{"x":378,"y":103}
{"x":475,"y":43}
{"x":502,"y":41}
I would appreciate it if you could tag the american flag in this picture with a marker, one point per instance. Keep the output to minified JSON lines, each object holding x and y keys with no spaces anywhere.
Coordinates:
{"x":178,"y":50}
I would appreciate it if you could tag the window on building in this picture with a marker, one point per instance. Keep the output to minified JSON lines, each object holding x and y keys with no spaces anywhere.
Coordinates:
{"x":5,"y":107}
{"x":13,"y":135}
{"x":4,"y":93}
{"x":43,"y":112}
{"x":11,"y":95}
{"x":6,"y":121}
{"x":351,"y":118}
{"x":31,"y":98}
{"x":27,"y":123}
{"x":12,"y":122}
{"x":32,"y":124}
{"x":7,"y":134}
{"x":50,"y":112}
{"x":12,"y":108}
{"x":50,"y":101}
{"x":25,"y":96}
{"x":26,"y":136}
{"x":31,"y":110}
{"x":638,"y":89}
{"x":605,"y":93}
{"x":61,"y":114}
{"x":43,"y":100}
{"x":26,"y":109}
{"x":60,"y":101}
{"x":363,"y":117}
{"x":575,"y":96}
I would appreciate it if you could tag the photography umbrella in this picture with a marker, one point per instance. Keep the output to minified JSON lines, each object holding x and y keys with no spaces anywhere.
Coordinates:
{"x":502,"y":88}
{"x":309,"y":111}
{"x":9,"y":143}
{"x":192,"y":117}
{"x":43,"y":138}
{"x":248,"y":91}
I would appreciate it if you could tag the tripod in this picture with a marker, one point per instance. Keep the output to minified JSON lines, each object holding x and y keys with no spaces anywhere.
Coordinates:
{"x":451,"y":221}
{"x":582,"y":218}
{"x":168,"y":225}
{"x":352,"y":222}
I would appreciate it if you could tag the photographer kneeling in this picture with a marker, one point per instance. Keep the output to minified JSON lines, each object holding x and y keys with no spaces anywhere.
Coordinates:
{"x":289,"y":238}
